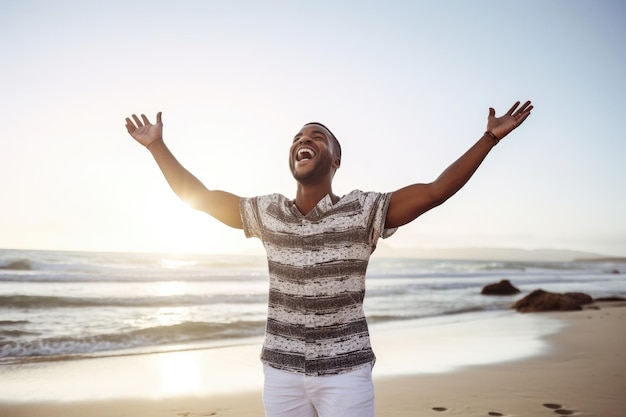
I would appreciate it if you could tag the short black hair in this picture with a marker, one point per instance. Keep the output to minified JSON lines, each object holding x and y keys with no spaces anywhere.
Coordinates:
{"x":332,"y":135}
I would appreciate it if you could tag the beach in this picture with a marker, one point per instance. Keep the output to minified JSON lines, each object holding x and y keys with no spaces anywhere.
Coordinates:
{"x":578,"y":368}
{"x":144,"y":335}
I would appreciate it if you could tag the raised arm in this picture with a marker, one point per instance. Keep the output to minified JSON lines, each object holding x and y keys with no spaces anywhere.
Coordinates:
{"x":219,"y":204}
{"x":410,"y":202}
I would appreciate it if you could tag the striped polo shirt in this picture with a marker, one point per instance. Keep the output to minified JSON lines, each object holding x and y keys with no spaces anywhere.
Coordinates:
{"x":317,"y":264}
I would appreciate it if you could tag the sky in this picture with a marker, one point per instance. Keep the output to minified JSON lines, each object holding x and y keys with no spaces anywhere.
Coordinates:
{"x":405,"y":86}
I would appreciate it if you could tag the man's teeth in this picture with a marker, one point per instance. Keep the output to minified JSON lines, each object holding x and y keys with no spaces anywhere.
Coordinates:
{"x":305,"y":153}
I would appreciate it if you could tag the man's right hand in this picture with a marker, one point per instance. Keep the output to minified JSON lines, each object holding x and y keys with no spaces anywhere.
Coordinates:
{"x":143,"y":131}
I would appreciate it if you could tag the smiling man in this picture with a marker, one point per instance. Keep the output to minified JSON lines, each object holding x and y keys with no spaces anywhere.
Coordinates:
{"x":317,"y":355}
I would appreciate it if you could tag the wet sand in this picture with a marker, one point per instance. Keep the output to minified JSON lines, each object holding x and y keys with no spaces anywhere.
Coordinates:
{"x":538,"y":364}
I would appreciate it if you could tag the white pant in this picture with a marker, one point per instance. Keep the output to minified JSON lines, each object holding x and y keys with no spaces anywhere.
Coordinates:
{"x":288,"y":394}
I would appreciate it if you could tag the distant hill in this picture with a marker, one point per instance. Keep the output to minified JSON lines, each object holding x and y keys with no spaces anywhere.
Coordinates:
{"x":492,"y":254}
{"x":611,"y":259}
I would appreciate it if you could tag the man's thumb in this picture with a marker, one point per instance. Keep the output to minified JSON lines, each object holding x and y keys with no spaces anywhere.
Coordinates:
{"x":492,"y":112}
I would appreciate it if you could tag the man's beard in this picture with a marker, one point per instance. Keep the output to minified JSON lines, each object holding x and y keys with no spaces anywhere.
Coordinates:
{"x":321,"y":168}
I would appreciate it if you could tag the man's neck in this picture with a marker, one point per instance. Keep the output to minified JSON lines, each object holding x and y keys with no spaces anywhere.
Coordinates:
{"x":307,"y":197}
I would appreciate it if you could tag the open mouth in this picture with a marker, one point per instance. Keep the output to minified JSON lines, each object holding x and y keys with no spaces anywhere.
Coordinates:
{"x":304,"y":154}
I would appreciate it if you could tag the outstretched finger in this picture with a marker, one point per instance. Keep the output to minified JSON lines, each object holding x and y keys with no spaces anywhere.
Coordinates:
{"x":137,"y":121}
{"x":145,"y":120}
{"x":524,"y":112}
{"x":159,"y":118}
{"x":512,"y":109}
{"x":523,"y":117}
{"x":130,"y":126}
{"x":525,"y":107}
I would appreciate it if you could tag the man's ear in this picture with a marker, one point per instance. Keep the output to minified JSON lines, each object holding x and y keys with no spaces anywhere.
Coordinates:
{"x":336,"y":162}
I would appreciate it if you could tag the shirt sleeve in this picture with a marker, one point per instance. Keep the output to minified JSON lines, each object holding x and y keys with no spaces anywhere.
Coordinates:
{"x":379,"y":209}
{"x":249,"y":211}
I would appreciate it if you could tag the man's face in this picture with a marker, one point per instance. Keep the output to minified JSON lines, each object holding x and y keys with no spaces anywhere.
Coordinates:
{"x":312,"y":154}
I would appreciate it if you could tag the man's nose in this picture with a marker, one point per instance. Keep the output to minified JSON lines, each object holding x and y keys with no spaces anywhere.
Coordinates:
{"x":304,"y":139}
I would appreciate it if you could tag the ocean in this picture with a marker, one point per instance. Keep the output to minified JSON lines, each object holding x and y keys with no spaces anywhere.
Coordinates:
{"x":59,"y":305}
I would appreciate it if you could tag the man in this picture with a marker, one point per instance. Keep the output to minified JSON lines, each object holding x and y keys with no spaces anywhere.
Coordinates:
{"x":317,"y":355}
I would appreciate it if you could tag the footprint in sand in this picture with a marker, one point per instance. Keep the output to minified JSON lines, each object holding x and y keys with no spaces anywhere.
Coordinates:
{"x":558,"y":408}
{"x":491,"y":413}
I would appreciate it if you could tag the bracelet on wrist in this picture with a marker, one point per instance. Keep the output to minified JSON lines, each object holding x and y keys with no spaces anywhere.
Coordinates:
{"x":492,"y":136}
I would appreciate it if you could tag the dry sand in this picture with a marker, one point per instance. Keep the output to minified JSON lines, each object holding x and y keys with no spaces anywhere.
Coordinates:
{"x":582,"y":373}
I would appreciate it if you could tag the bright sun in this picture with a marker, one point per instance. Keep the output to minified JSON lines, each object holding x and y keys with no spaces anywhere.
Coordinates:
{"x":177,"y":228}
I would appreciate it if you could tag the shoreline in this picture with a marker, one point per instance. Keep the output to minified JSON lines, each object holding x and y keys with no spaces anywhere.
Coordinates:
{"x":578,"y":367}
{"x":418,"y":346}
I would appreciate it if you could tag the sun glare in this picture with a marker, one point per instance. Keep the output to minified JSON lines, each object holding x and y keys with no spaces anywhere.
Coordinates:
{"x":171,"y":226}
{"x":176,"y":225}
{"x":176,"y":263}
{"x":180,"y":374}
{"x":170,"y":288}
{"x":170,"y":316}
